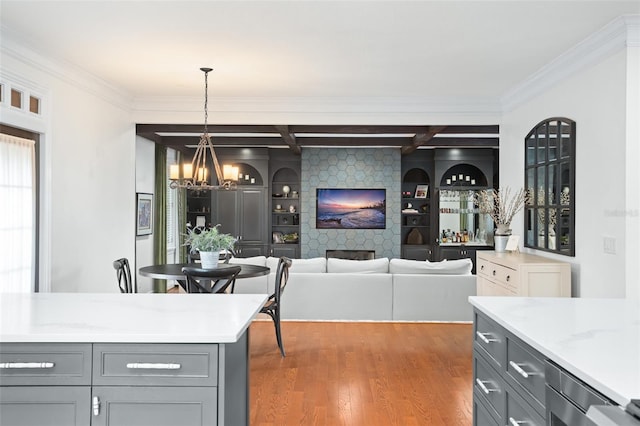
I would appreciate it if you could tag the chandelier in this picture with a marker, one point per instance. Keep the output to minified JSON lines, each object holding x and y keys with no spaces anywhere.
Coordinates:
{"x":195,"y":174}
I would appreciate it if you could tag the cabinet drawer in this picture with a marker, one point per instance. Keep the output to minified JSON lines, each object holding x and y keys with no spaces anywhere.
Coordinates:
{"x":505,"y":276}
{"x":483,"y":266}
{"x":526,"y":370}
{"x":155,"y":364}
{"x":490,"y":337}
{"x":520,"y":413}
{"x":481,"y":415}
{"x":488,"y":383}
{"x":29,"y":364}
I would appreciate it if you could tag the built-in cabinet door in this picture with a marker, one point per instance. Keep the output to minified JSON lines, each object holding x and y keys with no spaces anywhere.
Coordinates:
{"x":241,"y":213}
{"x":154,"y":406}
{"x":251,"y":209}
{"x":45,"y":405}
{"x":225,"y":209}
{"x":279,"y":250}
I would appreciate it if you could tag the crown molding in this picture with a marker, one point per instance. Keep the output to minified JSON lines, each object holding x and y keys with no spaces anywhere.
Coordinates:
{"x":315,"y":105}
{"x":621,"y":32}
{"x":13,"y":46}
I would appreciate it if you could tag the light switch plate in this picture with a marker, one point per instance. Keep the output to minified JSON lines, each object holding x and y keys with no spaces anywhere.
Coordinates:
{"x":609,"y":245}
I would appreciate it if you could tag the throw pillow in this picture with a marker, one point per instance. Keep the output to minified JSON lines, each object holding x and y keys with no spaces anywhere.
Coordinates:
{"x":370,"y":266}
{"x":446,"y":267}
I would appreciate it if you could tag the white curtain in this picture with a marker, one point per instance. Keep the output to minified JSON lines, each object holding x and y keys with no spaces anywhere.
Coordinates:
{"x":17,"y":213}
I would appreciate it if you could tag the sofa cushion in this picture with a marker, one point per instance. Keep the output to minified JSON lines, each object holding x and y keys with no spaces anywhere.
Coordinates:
{"x":358,"y":266}
{"x":446,"y":267}
{"x":315,"y":264}
{"x":255,"y":260}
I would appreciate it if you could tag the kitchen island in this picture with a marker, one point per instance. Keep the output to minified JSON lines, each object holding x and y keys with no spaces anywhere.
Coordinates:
{"x":519,"y":340}
{"x":117,"y":359}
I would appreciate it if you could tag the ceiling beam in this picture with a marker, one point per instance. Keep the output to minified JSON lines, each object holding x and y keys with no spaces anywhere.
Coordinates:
{"x":289,"y":138}
{"x":422,"y":138}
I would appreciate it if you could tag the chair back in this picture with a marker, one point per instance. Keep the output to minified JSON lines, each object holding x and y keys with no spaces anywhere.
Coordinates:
{"x":210,"y":280}
{"x":282,"y":276}
{"x":123,"y":273}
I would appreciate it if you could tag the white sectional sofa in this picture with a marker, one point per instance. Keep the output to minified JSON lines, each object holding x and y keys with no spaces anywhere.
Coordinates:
{"x":369,"y":290}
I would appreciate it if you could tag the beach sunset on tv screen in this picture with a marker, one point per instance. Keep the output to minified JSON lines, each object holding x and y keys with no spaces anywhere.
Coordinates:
{"x":351,"y":208}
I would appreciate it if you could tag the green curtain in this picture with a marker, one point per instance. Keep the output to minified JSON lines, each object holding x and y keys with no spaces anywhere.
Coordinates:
{"x":160,"y":218}
{"x":182,"y":220}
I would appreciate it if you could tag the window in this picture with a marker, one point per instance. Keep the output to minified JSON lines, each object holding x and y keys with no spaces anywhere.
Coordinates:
{"x":17,"y":214}
{"x":172,"y":213}
{"x":550,"y":179}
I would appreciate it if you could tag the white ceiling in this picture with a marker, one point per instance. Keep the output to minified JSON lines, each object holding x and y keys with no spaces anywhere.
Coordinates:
{"x":345,"y":49}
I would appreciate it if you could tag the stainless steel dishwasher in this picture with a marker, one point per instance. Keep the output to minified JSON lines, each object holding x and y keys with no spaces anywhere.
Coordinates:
{"x":568,"y":398}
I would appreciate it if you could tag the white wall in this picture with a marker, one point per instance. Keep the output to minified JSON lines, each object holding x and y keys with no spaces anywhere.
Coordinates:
{"x":632,"y":197}
{"x":145,"y":170}
{"x":90,"y":177}
{"x":596,"y":99}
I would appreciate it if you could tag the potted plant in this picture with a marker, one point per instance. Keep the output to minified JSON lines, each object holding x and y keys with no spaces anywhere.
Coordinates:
{"x":502,"y":206}
{"x":209,"y":243}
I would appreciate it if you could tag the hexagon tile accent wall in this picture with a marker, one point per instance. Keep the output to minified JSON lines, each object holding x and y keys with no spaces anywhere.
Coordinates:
{"x":350,"y":168}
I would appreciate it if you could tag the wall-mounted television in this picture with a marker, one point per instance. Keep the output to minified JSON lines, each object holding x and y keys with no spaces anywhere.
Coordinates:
{"x":342,"y":208}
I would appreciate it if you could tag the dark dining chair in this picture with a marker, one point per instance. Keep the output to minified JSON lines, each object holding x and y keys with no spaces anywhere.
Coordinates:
{"x":210,"y":280}
{"x":123,"y":273}
{"x":274,"y":302}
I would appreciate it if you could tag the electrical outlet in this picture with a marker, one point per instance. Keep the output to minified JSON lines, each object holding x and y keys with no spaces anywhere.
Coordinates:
{"x":609,"y":245}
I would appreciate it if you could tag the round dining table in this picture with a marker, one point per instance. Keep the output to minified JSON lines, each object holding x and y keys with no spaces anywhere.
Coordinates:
{"x":173,"y":271}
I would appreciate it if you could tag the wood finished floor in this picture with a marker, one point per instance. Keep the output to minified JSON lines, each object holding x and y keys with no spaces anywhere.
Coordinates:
{"x":354,"y":374}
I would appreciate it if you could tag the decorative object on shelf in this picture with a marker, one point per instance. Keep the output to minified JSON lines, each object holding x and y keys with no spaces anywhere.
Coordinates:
{"x":294,"y":194}
{"x":292,"y":208}
{"x":414,"y":237}
{"x":195,"y":174}
{"x":276,"y":237}
{"x":502,"y":207}
{"x":209,"y":243}
{"x":285,"y":190}
{"x":144,"y":213}
{"x":422,"y":191}
{"x":290,"y":238}
{"x":279,"y":208}
{"x":461,"y":180}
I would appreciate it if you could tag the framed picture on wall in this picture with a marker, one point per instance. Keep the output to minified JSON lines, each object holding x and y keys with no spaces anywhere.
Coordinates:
{"x":422,"y":191}
{"x":144,"y":213}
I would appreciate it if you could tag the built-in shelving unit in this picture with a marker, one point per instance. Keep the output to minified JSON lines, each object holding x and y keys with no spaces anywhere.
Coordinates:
{"x":285,"y":207}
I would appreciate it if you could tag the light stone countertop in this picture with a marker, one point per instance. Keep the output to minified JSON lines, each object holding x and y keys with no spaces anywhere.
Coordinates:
{"x":126,"y":318}
{"x":597,"y":340}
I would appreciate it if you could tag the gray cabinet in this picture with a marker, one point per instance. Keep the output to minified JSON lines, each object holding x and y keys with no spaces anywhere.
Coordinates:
{"x":45,"y":405}
{"x":508,"y":377}
{"x":154,"y":406}
{"x":124,"y":384}
{"x":45,"y":384}
{"x":242,"y":213}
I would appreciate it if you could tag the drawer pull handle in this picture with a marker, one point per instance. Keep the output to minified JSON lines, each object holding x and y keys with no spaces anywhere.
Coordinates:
{"x":514,"y":422}
{"x":484,"y":338}
{"x":23,"y":365}
{"x":493,"y":272}
{"x":520,"y":371}
{"x":482,"y":268}
{"x":484,"y":387}
{"x":96,"y":406}
{"x":508,"y":278}
{"x":152,"y":366}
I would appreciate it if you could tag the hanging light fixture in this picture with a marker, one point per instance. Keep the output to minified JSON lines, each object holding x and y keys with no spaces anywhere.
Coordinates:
{"x":194,"y":175}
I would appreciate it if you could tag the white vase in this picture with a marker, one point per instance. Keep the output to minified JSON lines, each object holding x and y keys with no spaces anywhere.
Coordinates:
{"x":500,"y":243}
{"x":209,"y":259}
